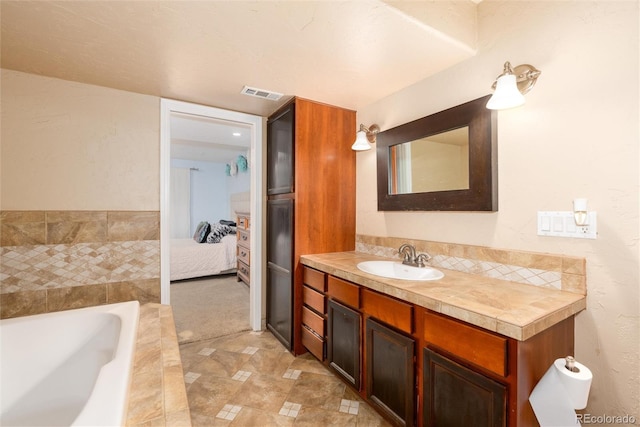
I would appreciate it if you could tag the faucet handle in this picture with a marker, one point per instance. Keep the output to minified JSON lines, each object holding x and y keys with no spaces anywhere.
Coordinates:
{"x":422,"y":259}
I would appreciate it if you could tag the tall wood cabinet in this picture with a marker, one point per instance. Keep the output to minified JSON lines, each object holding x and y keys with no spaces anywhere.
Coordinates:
{"x":310,"y":202}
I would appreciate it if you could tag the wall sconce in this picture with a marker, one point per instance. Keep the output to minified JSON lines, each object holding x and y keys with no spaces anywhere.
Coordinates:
{"x":580,"y":214}
{"x":365,"y":137}
{"x":511,"y":85}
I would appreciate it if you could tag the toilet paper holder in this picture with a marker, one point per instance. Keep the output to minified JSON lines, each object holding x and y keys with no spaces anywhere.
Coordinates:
{"x":570,"y":364}
{"x":561,"y":390}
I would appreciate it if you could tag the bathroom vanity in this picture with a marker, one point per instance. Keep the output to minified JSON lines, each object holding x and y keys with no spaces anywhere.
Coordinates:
{"x":458,"y":351}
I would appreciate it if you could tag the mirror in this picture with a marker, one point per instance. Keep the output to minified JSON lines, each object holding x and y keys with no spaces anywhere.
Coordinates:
{"x":435,"y":163}
{"x":443,"y":162}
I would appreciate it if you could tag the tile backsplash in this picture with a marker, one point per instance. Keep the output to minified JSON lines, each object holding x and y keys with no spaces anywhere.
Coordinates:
{"x":538,"y":269}
{"x":56,"y":260}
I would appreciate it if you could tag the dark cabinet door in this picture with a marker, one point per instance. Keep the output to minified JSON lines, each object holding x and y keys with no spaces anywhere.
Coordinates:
{"x":279,"y":269}
{"x":280,"y":152}
{"x":390,"y":372}
{"x":456,"y":396}
{"x":343,"y":341}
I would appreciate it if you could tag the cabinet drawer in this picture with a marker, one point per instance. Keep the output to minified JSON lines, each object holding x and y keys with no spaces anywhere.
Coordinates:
{"x":313,"y":343}
{"x":243,"y":272}
{"x":314,"y":278}
{"x":313,"y":299}
{"x":390,"y":311}
{"x":244,"y":238}
{"x":243,"y":255}
{"x":344,"y":292}
{"x":243,"y":222}
{"x":482,"y":348}
{"x":313,"y":321}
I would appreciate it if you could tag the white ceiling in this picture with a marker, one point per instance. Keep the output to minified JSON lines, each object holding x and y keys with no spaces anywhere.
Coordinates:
{"x":208,"y":140}
{"x":345,"y":53}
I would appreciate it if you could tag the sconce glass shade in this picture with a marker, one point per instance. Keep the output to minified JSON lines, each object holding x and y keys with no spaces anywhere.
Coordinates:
{"x":506,"y":94}
{"x":362,"y":143}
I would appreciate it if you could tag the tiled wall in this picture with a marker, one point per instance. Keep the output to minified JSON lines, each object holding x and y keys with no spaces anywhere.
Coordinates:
{"x":57,"y":260}
{"x":548,"y":270}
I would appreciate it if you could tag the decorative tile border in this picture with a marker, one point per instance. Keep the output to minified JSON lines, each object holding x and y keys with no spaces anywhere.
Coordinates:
{"x":32,"y":268}
{"x":530,"y":268}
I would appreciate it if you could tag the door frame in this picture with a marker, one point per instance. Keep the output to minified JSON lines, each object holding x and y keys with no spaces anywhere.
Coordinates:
{"x":256,"y":124}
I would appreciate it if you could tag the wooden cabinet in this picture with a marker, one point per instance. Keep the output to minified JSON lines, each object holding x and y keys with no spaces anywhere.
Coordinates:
{"x":455,"y":395}
{"x":243,"y":233}
{"x":313,"y":312}
{"x":343,"y":342}
{"x":418,"y":367}
{"x":390,"y":372}
{"x":280,"y":151}
{"x":482,"y":348}
{"x":311,"y":165}
{"x":471,"y":373}
{"x":280,"y":269}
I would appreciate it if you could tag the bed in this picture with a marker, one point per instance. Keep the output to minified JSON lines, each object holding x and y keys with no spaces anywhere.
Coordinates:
{"x":190,"y":259}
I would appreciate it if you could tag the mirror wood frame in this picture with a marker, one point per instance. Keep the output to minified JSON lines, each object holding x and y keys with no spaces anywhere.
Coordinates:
{"x":482,"y":194}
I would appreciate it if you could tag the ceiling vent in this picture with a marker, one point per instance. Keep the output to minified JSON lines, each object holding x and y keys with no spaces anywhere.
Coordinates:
{"x":261,"y":93}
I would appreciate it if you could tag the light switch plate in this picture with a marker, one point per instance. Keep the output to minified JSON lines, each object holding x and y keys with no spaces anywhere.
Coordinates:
{"x":562,"y":224}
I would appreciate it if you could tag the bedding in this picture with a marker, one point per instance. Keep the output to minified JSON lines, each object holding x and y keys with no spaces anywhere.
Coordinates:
{"x":202,"y":230}
{"x":191,"y":259}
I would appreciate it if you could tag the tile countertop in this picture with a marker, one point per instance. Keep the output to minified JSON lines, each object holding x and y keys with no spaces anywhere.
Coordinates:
{"x":512,"y":309}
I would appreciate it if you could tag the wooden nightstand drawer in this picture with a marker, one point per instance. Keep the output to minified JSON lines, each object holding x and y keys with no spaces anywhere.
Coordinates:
{"x":482,"y":348}
{"x":243,"y":272}
{"x":390,"y":311}
{"x":244,"y":238}
{"x":313,"y":299}
{"x":244,"y":255}
{"x":343,"y":291}
{"x":314,"y":278}
{"x":243,"y":222}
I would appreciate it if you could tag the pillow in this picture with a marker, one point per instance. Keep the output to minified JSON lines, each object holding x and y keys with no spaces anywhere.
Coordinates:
{"x":202,"y":230}
{"x":218,"y":231}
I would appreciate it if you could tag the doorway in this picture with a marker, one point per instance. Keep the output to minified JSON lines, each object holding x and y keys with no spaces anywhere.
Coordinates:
{"x":169,"y":108}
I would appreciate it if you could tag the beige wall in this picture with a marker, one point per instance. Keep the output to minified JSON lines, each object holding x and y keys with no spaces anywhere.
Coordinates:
{"x":577,"y":136}
{"x":80,"y":186}
{"x":72,"y":146}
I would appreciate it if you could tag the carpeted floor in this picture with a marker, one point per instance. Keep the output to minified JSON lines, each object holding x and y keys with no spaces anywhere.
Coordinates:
{"x":209,"y":308}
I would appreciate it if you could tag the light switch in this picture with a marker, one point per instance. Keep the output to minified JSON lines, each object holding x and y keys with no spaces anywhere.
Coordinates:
{"x":545,"y":223}
{"x":558,"y":224}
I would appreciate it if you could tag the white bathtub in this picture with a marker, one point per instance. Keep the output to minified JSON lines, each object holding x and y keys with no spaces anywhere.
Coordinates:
{"x":69,"y":367}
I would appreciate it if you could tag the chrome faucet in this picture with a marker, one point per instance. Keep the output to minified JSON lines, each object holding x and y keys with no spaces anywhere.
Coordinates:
{"x":422,"y":259}
{"x":410,"y":257}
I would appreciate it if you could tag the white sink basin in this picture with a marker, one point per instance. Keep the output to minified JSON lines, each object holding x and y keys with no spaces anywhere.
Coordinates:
{"x":397,"y":270}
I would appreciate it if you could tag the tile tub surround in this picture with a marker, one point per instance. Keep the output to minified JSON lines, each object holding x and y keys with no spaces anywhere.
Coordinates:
{"x":157,"y":393}
{"x":511,"y":309}
{"x":57,"y":260}
{"x":560,"y":272}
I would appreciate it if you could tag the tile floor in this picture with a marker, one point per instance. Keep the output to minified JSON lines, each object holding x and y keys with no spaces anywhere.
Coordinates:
{"x":249,"y":379}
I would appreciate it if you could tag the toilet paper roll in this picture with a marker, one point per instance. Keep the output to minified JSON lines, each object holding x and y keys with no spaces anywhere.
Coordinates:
{"x":559,"y":392}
